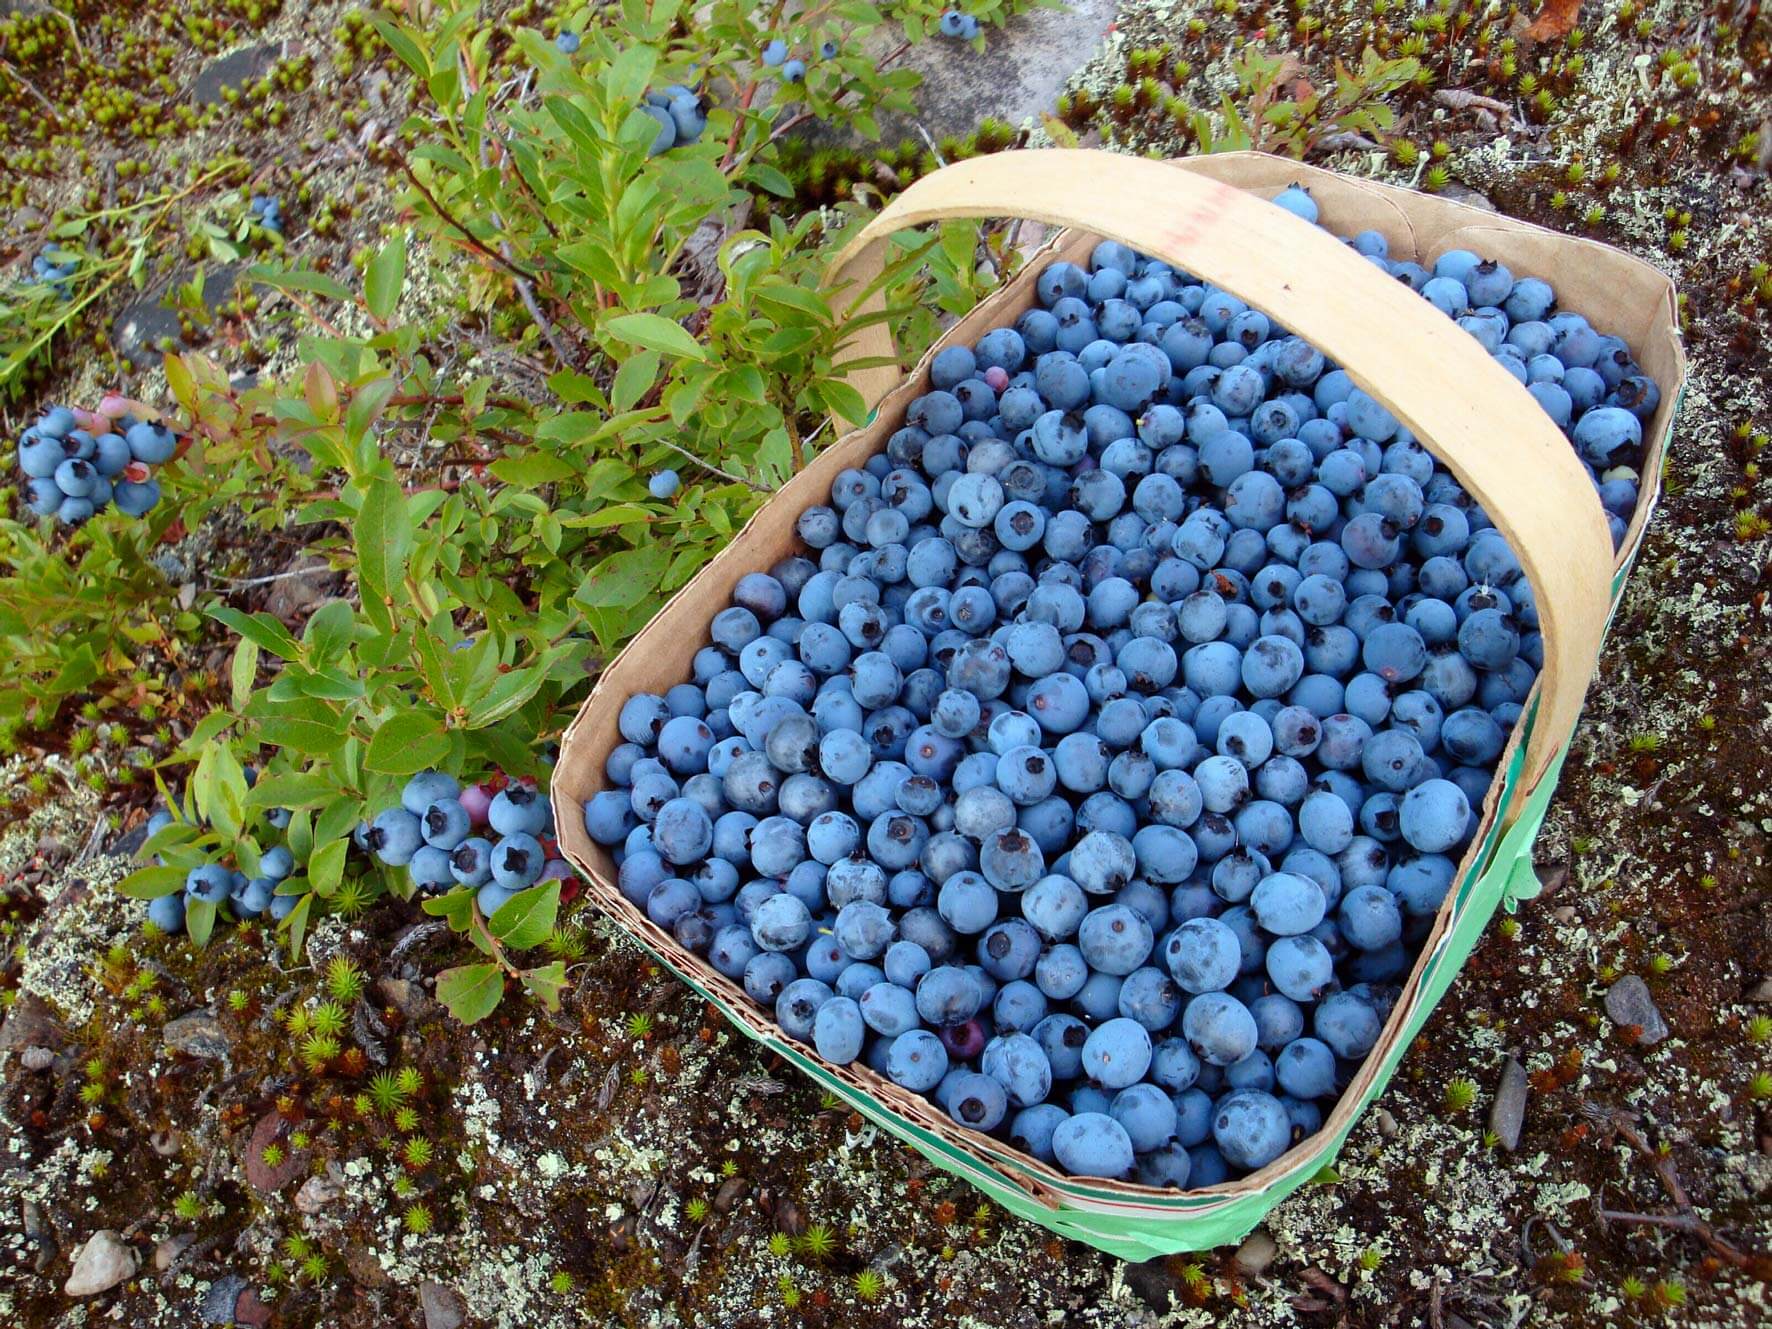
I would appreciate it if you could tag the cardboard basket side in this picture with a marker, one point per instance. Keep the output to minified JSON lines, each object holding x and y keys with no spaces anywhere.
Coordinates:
{"x":661,"y":655}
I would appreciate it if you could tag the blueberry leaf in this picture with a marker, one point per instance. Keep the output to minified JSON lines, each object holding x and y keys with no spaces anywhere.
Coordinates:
{"x":152,"y":883}
{"x":526,"y":919}
{"x":470,"y":992}
{"x":408,"y":742}
{"x":546,"y":983}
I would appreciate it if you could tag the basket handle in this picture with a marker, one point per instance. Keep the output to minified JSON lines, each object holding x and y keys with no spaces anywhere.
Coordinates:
{"x":1431,"y":374}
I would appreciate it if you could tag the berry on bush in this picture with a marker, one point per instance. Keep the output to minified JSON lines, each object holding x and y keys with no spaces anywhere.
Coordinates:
{"x":73,"y":472}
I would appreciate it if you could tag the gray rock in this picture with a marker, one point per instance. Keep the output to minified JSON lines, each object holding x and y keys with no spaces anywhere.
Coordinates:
{"x":37,"y":1058}
{"x":31,"y":1023}
{"x":198,"y":1034}
{"x":1761,"y":991}
{"x":1020,"y":73}
{"x":146,"y":320}
{"x":233,"y":70}
{"x":103,"y":1262}
{"x":442,"y":1308}
{"x":220,"y":1300}
{"x":1629,"y":1002}
{"x":306,"y":584}
{"x":1508,"y":1112}
{"x":1255,"y":1254}
{"x":168,"y":1251}
{"x":315,"y":1194}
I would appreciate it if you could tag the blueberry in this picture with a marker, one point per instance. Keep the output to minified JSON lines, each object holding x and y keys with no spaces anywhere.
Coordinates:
{"x":1092,"y":1144}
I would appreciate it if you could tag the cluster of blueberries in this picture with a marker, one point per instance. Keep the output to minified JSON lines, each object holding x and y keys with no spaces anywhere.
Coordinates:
{"x":265,"y":210}
{"x":1587,"y":382}
{"x":960,"y":27}
{"x":775,"y":56}
{"x":71,"y":473}
{"x":244,"y":897}
{"x":435,"y":835}
{"x":1103,"y":764}
{"x":681,"y":116}
{"x":55,"y":268}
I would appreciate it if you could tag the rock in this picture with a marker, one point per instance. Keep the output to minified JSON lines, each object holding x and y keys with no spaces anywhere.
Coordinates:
{"x":1629,"y":1002}
{"x":198,"y":1034}
{"x":168,"y":1251}
{"x":315,"y":1194}
{"x":219,"y":1302}
{"x":37,"y":1229}
{"x":250,"y":1311}
{"x":1018,"y":76}
{"x":1387,"y":1124}
{"x":305,"y":585}
{"x":1761,"y":991}
{"x":1508,"y":1111}
{"x":31,"y":1023}
{"x":1255,"y":1254}
{"x":406,"y":997}
{"x":731,"y":1191}
{"x":363,"y":1263}
{"x":233,"y":70}
{"x":26,"y":218}
{"x":165,"y":1143}
{"x":37,"y":1058}
{"x":1152,"y":1283}
{"x":1464,"y":194}
{"x":103,"y":1262}
{"x":146,"y":320}
{"x":260,"y":1175}
{"x":442,"y":1308}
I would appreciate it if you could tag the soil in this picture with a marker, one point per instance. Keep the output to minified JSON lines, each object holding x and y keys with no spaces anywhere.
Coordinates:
{"x":633,"y":1161}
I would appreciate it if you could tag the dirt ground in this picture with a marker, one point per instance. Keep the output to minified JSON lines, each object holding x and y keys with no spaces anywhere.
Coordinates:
{"x":633,"y":1161}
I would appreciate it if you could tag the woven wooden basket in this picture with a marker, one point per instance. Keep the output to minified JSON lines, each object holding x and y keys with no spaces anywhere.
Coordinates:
{"x":1206,"y":216}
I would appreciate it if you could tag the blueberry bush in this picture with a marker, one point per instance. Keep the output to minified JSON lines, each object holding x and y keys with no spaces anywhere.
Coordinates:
{"x":502,"y":542}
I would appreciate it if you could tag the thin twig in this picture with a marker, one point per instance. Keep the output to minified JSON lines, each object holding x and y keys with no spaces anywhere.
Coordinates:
{"x":474,"y":241}
{"x":12,"y":72}
{"x":709,"y":466}
{"x":242,"y":583}
{"x":1686,"y":1220}
{"x":527,"y":293}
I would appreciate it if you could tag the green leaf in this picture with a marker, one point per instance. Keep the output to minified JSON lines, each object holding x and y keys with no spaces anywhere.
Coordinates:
{"x":625,"y":579}
{"x":546,"y":983}
{"x":844,"y":400}
{"x":629,"y":73}
{"x":313,"y":283}
{"x":152,"y":883}
{"x":408,"y":742}
{"x":336,"y":819}
{"x":311,"y":738}
{"x":261,"y":628}
{"x":471,"y":992}
{"x":633,"y":379}
{"x":456,"y":906}
{"x":199,"y":921}
{"x":656,"y":333}
{"x":300,"y":789}
{"x":242,"y":673}
{"x":402,"y":45}
{"x":386,"y":276}
{"x":532,"y":469}
{"x":526,"y":919}
{"x":297,"y":925}
{"x":383,"y":534}
{"x":326,"y":866}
